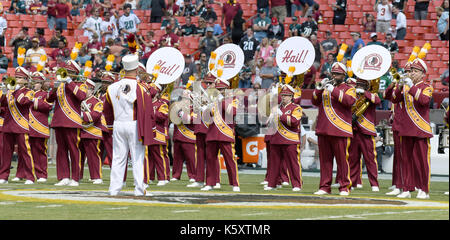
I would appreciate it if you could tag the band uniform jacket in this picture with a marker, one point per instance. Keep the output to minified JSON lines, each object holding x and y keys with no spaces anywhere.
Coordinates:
{"x":220,"y":129}
{"x":39,"y":112}
{"x":161,"y":128}
{"x":95,"y":116}
{"x":415,"y":103}
{"x":184,"y":132}
{"x":108,"y":126}
{"x":365,"y":123}
{"x":67,"y":98}
{"x":397,"y":108}
{"x":17,"y":109}
{"x":288,"y":125}
{"x":335,"y":110}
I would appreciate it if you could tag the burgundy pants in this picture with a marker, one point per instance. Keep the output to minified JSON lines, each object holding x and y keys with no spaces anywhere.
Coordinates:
{"x":290,"y":154}
{"x":415,"y":163}
{"x":68,"y":141}
{"x":183,"y":151}
{"x":284,"y":170}
{"x":107,"y":146}
{"x":334,"y":147}
{"x":396,"y":172}
{"x":24,"y":155}
{"x":156,"y":159}
{"x":200,"y":168}
{"x":364,"y":145}
{"x":39,"y":152}
{"x":212,"y":163}
{"x":91,"y":149}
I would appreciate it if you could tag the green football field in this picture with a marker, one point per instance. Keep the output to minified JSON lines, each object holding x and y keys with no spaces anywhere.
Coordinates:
{"x":175,"y":201}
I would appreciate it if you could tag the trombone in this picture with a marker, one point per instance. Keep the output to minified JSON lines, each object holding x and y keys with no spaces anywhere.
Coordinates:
{"x":62,"y":73}
{"x":321,"y":85}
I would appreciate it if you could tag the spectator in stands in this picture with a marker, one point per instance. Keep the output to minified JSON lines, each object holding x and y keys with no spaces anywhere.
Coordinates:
{"x":51,"y":13}
{"x":317,"y":15}
{"x":278,"y":9}
{"x":444,"y":78}
{"x":128,"y":22}
{"x":149,"y":45}
{"x":34,"y":54}
{"x":133,"y":3}
{"x":56,"y":38}
{"x":340,"y":12}
{"x":384,"y":15}
{"x":445,"y":5}
{"x":169,"y":20}
{"x":390,"y":44}
{"x":245,"y":78}
{"x":295,"y":7}
{"x":442,"y":24}
{"x":59,"y":51}
{"x":400,"y":23}
{"x":189,"y":28}
{"x":20,"y":40}
{"x":310,"y":78}
{"x":208,"y":13}
{"x":189,"y":69}
{"x":91,"y":6}
{"x":400,"y":4}
{"x":209,"y":42}
{"x":329,"y":45}
{"x":307,"y":6}
{"x":172,"y":8}
{"x":170,"y":39}
{"x":75,"y":11}
{"x":203,"y":66}
{"x":325,"y":72}
{"x":201,"y":7}
{"x":358,"y":43}
{"x":83,"y":56}
{"x":95,"y":43}
{"x":188,"y":9}
{"x":144,"y":4}
{"x":201,"y":28}
{"x":421,"y":9}
{"x":19,"y":6}
{"x":62,"y":13}
{"x":35,"y":7}
{"x":157,"y":6}
{"x":229,"y":9}
{"x":264,"y":50}
{"x":3,"y":62}
{"x":308,"y":27}
{"x":217,"y":29}
{"x":268,"y":73}
{"x":3,"y":26}
{"x":261,"y":25}
{"x":294,"y":27}
{"x":276,"y":30}
{"x":318,"y":50}
{"x":264,"y":4}
{"x":369,"y":23}
{"x":374,"y":38}
{"x":39,"y":34}
{"x":92,"y":24}
{"x":108,"y":27}
{"x":237,"y":27}
{"x":249,"y":44}
{"x":385,"y":81}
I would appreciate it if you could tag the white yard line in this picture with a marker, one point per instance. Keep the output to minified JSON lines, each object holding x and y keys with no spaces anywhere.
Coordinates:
{"x":185,"y":211}
{"x":364,"y":215}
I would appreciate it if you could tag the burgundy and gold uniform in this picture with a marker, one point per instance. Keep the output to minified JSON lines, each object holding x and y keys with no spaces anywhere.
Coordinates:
{"x":363,"y":142}
{"x":415,"y":131}
{"x":334,"y":131}
{"x":16,"y":129}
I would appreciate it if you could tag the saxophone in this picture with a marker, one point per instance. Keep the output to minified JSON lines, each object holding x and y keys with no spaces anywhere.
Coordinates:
{"x":363,"y":103}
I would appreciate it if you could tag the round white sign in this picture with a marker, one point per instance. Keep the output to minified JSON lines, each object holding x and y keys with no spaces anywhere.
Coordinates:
{"x":170,"y":61}
{"x":295,"y":52}
{"x":233,"y":60}
{"x":371,"y":62}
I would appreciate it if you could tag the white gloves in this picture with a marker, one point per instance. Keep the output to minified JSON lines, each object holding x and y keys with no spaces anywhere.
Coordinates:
{"x":279,"y":111}
{"x":409,"y":82}
{"x":360,"y":90}
{"x":17,"y":87}
{"x":220,"y":97}
{"x":329,"y":87}
{"x":180,"y":113}
{"x":68,"y":80}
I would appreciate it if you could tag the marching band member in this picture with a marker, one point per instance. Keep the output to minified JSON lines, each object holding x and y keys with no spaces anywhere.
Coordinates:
{"x":200,"y":131}
{"x":94,"y":124}
{"x":184,"y":142}
{"x":107,"y":79}
{"x":130,"y":107}
{"x":67,"y":123}
{"x":334,"y":129}
{"x":285,"y":143}
{"x":39,"y":129}
{"x":363,"y":141}
{"x":157,"y":157}
{"x":17,"y":104}
{"x":397,"y":119}
{"x":415,"y":131}
{"x":221,"y":136}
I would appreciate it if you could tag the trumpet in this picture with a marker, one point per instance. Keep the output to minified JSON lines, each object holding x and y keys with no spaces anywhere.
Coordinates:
{"x":62,"y":73}
{"x":321,"y":85}
{"x":397,"y":78}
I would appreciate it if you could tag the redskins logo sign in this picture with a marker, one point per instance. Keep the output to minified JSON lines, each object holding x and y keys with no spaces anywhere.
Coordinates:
{"x":373,"y":62}
{"x":229,"y":59}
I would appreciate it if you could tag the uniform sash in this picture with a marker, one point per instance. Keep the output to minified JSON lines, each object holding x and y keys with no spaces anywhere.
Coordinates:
{"x":186,"y":131}
{"x":65,"y":106}
{"x":15,"y":113}
{"x":366,"y":124}
{"x":38,"y":126}
{"x":220,"y":123}
{"x":332,"y":116}
{"x":415,"y":117}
